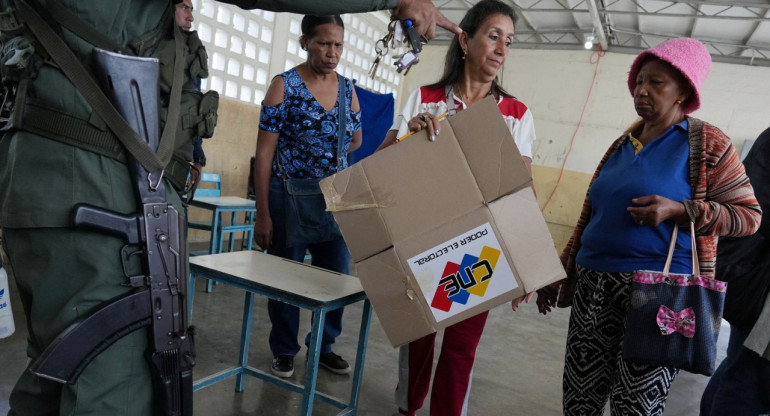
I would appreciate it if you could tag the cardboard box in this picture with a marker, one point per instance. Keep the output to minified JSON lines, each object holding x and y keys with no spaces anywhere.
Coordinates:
{"x":441,"y":231}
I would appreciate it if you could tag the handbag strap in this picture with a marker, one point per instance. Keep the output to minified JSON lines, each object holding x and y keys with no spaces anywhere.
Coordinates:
{"x":342,"y":115}
{"x":672,"y":245}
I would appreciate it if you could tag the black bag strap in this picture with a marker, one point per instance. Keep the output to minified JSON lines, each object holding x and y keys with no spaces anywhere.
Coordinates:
{"x":87,"y":86}
{"x":342,"y":115}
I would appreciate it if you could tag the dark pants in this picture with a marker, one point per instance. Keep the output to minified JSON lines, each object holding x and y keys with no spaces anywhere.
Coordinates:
{"x":741,"y":383}
{"x":332,"y":255}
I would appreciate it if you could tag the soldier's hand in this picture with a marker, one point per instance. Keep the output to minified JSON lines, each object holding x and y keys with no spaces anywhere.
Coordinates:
{"x":425,"y":16}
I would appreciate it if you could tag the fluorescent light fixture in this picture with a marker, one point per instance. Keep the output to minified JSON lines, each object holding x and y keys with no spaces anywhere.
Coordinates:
{"x":589,"y":42}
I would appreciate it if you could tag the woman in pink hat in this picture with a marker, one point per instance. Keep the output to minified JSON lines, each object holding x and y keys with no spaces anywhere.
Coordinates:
{"x":667,"y":170}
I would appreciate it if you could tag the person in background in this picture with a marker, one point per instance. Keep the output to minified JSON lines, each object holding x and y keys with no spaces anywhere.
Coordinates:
{"x":667,"y":170}
{"x":298,"y":139}
{"x":183,"y":17}
{"x":741,"y":383}
{"x":61,"y":273}
{"x":473,"y":62}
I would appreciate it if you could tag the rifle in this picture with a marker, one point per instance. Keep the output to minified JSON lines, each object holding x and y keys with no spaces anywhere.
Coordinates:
{"x":159,"y":298}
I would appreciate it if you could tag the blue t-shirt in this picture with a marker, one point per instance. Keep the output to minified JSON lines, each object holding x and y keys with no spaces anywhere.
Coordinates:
{"x":307,"y":140}
{"x":612,"y":242}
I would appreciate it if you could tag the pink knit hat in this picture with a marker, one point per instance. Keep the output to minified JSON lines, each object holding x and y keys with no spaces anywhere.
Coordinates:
{"x":688,"y":56}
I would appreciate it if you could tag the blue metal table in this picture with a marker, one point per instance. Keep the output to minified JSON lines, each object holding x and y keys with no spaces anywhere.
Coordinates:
{"x":304,"y":286}
{"x":222,"y":204}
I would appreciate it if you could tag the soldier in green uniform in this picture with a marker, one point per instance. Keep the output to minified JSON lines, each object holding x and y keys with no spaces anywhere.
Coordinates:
{"x":56,"y":152}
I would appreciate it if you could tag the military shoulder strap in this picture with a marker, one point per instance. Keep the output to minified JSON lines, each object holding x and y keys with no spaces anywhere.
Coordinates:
{"x":87,"y":86}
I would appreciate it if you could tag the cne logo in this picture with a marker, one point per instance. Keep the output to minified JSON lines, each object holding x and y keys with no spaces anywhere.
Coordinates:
{"x":470,"y":277}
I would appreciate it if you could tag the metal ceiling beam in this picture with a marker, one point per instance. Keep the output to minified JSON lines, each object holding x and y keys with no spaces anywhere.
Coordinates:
{"x":597,"y":22}
{"x":652,"y":14}
{"x":730,"y":3}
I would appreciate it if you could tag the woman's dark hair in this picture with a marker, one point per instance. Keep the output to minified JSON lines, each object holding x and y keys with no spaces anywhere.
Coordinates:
{"x":310,"y":23}
{"x":453,"y":65}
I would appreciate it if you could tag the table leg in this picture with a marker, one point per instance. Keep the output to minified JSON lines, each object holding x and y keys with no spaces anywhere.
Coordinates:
{"x":363,"y":338}
{"x":314,"y":352}
{"x":243,"y":356}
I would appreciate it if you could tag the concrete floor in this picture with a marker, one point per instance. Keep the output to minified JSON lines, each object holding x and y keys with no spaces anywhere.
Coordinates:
{"x":517,"y":372}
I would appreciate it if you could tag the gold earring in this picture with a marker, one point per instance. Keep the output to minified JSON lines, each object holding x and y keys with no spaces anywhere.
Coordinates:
{"x":679,"y":101}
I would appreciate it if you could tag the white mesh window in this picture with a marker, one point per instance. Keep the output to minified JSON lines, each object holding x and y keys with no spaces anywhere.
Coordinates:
{"x":267,"y":35}
{"x":248,"y":72}
{"x":207,"y":9}
{"x":217,"y":83}
{"x":218,"y":61}
{"x":236,"y":45}
{"x":204,"y":32}
{"x":264,"y":55}
{"x":293,"y":46}
{"x":239,"y":22}
{"x":251,"y":50}
{"x":253,"y":29}
{"x":259,"y":95}
{"x":245,"y":94}
{"x":262,"y":76}
{"x":220,"y":38}
{"x":295,"y":27}
{"x":223,"y":15}
{"x":243,"y":46}
{"x":233,"y":67}
{"x":231,"y":89}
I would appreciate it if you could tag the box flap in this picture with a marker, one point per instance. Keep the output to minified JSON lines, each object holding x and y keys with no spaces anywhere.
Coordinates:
{"x":413,"y":185}
{"x":490,"y":150}
{"x":529,"y":242}
{"x":355,"y":206}
{"x":397,"y":305}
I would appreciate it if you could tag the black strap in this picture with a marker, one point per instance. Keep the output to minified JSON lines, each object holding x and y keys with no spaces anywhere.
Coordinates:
{"x":342,"y":118}
{"x":68,"y":129}
{"x":87,"y":86}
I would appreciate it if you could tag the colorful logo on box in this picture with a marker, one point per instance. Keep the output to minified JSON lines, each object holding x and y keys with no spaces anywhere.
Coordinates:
{"x":470,"y":277}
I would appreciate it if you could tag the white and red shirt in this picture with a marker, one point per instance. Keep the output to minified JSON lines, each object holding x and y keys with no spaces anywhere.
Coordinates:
{"x":517,"y":116}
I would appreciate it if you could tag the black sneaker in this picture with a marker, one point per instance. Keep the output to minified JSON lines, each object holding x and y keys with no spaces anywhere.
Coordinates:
{"x":283,"y":366}
{"x":334,"y":363}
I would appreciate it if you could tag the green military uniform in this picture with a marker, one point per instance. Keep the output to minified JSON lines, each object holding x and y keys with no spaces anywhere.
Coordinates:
{"x":63,"y":273}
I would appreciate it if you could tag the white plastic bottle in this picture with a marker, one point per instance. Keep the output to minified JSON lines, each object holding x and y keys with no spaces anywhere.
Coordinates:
{"x":7,"y":327}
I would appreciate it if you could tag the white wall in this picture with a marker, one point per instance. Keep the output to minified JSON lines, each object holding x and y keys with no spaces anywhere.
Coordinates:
{"x":555,"y":85}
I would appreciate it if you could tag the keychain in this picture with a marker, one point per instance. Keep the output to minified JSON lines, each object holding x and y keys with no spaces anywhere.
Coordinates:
{"x":397,"y":36}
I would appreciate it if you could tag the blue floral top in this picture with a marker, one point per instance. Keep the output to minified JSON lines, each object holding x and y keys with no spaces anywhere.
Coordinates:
{"x":307,"y":140}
